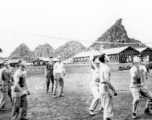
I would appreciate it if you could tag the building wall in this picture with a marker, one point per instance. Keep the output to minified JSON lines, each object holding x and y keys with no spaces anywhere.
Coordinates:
{"x":147,"y":53}
{"x":127,"y":55}
{"x":81,"y":59}
{"x":114,"y":58}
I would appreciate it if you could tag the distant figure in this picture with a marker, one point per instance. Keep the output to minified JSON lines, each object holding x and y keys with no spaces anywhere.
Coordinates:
{"x":19,"y":94}
{"x":145,"y":62}
{"x":49,"y":74}
{"x":94,"y":85}
{"x":59,"y":72}
{"x":106,"y":88}
{"x":138,"y":74}
{"x":7,"y":81}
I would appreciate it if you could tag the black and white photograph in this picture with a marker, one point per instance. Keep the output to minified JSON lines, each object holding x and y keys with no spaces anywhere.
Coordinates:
{"x":75,"y":59}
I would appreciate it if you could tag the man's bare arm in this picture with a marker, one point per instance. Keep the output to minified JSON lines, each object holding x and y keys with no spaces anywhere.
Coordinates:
{"x":63,"y":68}
{"x":25,"y":82}
{"x":92,"y":65}
{"x":91,"y":61}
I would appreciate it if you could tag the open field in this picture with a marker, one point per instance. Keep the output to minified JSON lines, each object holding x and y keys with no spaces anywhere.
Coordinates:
{"x":78,"y":96}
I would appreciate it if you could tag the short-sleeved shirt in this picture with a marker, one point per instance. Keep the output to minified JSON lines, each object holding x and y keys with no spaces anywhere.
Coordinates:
{"x":104,"y":73}
{"x":58,"y":67}
{"x":49,"y":68}
{"x":6,"y":75}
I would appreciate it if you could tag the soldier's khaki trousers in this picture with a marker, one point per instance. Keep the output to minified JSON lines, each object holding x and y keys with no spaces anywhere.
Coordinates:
{"x":136,"y":92}
{"x":107,"y":104}
{"x":106,"y":100}
{"x":48,"y":79}
{"x":3,"y":99}
{"x":20,"y":105}
{"x":58,"y":80}
{"x":4,"y":92}
{"x":96,"y":94}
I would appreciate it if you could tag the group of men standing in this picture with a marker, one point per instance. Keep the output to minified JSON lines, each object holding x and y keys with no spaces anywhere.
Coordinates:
{"x":102,"y":88}
{"x":14,"y":85}
{"x":55,"y":73}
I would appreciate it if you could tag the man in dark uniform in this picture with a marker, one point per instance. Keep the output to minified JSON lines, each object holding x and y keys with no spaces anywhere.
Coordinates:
{"x":7,"y":79}
{"x":49,"y":74}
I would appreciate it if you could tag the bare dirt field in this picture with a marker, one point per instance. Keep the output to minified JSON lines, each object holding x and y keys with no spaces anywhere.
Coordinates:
{"x":78,"y":96}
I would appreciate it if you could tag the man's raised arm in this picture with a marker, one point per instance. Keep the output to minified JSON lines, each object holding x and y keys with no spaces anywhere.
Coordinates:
{"x":91,"y":61}
{"x":63,"y":68}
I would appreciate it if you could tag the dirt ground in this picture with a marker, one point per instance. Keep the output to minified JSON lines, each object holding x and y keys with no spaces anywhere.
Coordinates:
{"x":78,"y":96}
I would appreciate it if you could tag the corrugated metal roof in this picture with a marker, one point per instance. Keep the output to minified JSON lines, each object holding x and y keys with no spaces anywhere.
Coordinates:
{"x":44,"y":59}
{"x":87,"y":54}
{"x":114,"y":50}
{"x":14,"y":61}
{"x":142,"y":49}
{"x":47,"y":59}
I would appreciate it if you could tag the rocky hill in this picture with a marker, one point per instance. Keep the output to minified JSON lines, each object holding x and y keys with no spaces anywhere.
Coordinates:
{"x":22,"y":52}
{"x":43,"y":51}
{"x":66,"y":51}
{"x":118,"y":34}
{"x":69,"y":49}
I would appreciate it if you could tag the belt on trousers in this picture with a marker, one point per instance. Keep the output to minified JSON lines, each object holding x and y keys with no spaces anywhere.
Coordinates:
{"x":16,"y":94}
{"x":136,"y":82}
{"x":103,"y":82}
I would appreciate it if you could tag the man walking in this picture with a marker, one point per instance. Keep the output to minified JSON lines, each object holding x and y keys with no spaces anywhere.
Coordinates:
{"x":94,"y":84}
{"x":6,"y":79}
{"x":138,"y":74}
{"x":49,"y":74}
{"x":19,"y":94}
{"x":59,"y":72}
{"x":106,"y":88}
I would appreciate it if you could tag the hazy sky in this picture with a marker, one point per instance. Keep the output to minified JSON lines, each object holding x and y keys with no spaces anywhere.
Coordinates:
{"x":22,"y":20}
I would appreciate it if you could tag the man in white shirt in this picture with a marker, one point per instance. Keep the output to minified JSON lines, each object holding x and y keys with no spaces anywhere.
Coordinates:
{"x":138,"y":73}
{"x":59,"y":72}
{"x":106,"y":88}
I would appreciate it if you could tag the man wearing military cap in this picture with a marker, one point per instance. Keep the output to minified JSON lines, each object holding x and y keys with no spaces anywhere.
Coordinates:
{"x":6,"y":78}
{"x":49,"y":74}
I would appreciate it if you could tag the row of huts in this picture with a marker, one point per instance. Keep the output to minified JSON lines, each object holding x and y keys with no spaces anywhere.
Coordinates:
{"x":116,"y":55}
{"x":42,"y":61}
